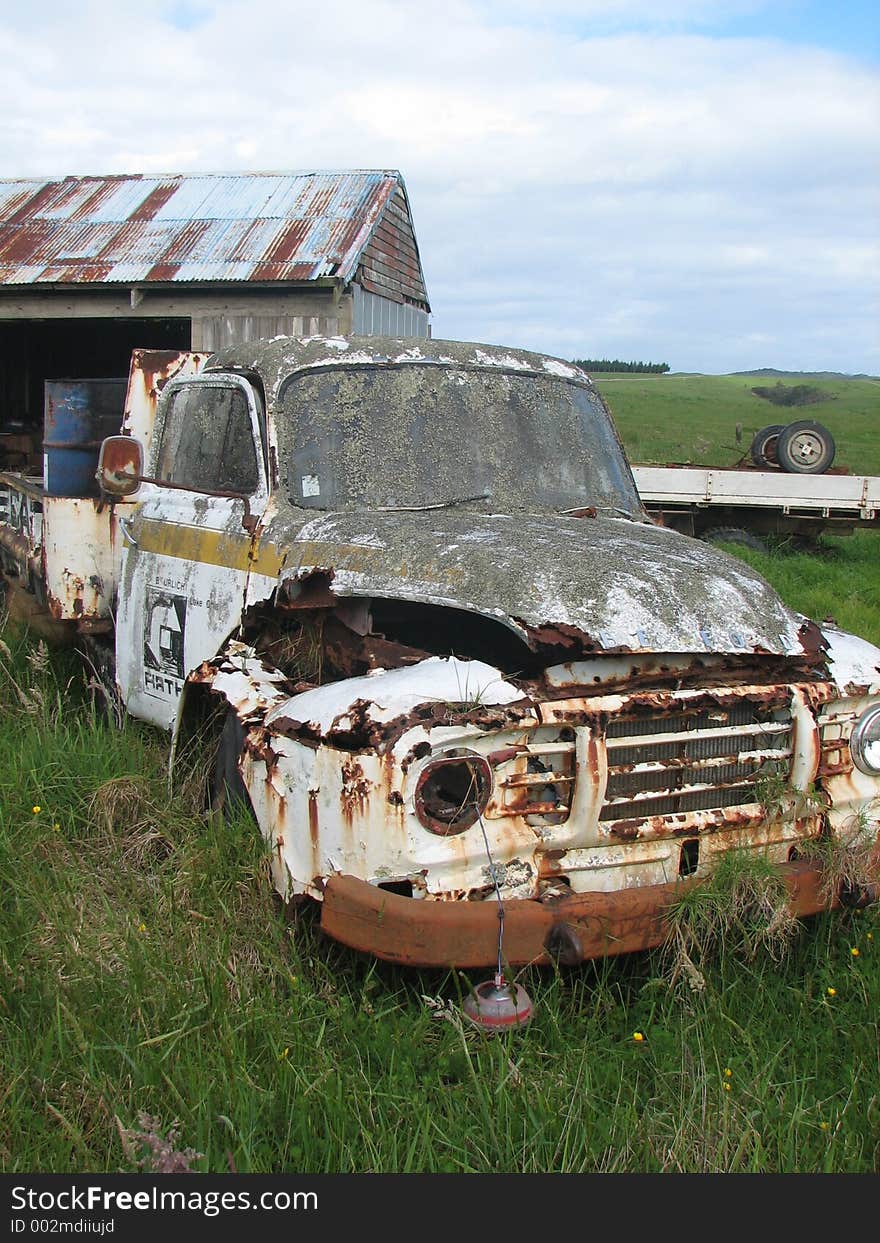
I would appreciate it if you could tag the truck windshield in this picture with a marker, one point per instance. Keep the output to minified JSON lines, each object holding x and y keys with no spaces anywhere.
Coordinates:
{"x":414,"y":436}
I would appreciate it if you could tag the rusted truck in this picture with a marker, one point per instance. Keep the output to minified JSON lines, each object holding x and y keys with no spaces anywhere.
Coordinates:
{"x":459,"y":673}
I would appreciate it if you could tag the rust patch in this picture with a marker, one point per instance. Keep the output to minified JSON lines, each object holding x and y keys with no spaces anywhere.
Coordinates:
{"x":560,"y":635}
{"x":549,"y":863}
{"x":812,"y":640}
{"x":256,"y":741}
{"x":313,"y":821}
{"x":355,"y":790}
{"x":156,"y":199}
{"x":418,"y":752}
{"x":312,"y":591}
{"x":682,"y":824}
{"x":507,"y":753}
{"x":351,"y":654}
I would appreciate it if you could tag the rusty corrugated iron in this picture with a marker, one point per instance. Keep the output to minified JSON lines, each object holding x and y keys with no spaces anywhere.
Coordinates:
{"x":236,"y":227}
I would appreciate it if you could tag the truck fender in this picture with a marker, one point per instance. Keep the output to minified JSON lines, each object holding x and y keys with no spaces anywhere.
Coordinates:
{"x":235,"y":682}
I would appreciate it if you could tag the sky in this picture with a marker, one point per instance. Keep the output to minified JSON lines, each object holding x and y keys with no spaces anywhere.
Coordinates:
{"x":679,"y":181}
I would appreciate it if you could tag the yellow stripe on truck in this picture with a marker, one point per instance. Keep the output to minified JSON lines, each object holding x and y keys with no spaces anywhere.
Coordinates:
{"x":221,"y":548}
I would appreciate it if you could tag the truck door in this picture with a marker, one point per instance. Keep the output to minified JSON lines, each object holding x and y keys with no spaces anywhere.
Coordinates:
{"x":187,"y":555}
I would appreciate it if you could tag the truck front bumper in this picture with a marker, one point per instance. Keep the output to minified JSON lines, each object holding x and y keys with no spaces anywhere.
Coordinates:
{"x":417,"y":932}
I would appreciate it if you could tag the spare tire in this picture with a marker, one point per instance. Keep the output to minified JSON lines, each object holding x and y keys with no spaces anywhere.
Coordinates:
{"x":805,"y":448}
{"x":763,"y":446}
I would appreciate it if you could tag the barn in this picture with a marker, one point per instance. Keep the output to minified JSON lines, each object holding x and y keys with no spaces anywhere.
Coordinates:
{"x":94,"y":267}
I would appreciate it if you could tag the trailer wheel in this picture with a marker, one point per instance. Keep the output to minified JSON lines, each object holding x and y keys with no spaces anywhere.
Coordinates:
{"x":763,"y":446}
{"x":734,"y":535}
{"x":228,"y":793}
{"x":805,"y":448}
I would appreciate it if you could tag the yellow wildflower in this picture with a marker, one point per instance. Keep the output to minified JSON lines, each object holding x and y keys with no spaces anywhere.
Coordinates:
{"x":832,"y":992}
{"x":36,"y":809}
{"x":823,"y":1126}
{"x":728,"y":1073}
{"x":855,"y":951}
{"x":727,"y":1087}
{"x":638,"y":1037}
{"x":142,"y":927}
{"x":56,"y":827}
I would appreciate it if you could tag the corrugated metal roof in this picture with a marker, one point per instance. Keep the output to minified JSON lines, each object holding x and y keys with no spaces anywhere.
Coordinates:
{"x":218,"y":227}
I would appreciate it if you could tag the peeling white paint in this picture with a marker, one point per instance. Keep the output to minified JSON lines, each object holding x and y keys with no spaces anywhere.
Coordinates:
{"x":510,"y":361}
{"x":394,"y":692}
{"x":854,"y":663}
{"x":554,"y":367}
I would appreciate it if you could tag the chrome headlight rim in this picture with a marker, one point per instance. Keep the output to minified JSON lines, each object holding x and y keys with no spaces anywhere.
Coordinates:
{"x":866,"y":732}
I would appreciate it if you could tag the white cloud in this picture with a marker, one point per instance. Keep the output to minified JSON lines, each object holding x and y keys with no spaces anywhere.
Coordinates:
{"x":672,"y":195}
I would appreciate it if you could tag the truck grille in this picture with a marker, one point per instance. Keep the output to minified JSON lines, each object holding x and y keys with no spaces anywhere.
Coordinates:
{"x":700,"y":760}
{"x":536,"y":779}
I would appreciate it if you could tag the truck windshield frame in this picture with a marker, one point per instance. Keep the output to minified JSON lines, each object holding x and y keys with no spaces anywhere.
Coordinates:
{"x":424,"y":434}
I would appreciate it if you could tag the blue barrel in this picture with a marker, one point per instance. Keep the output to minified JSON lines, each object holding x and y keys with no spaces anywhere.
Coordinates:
{"x":77,"y":415}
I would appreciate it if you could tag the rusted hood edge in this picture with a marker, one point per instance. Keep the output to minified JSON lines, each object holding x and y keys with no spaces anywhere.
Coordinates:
{"x":601,"y":584}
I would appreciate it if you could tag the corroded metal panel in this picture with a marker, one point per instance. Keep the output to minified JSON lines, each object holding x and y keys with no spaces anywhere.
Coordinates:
{"x":582,"y":926}
{"x":241,"y":227}
{"x":150,"y":371}
{"x":82,"y":552}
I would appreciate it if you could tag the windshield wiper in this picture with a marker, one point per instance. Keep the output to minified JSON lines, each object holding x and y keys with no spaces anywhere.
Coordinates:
{"x":459,"y":500}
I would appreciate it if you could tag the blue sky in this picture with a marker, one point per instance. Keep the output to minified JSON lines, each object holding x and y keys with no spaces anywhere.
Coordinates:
{"x":848,"y":26}
{"x":685,"y":181}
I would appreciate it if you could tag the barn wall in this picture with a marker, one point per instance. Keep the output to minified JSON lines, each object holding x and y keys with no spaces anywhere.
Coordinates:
{"x":377,"y":316}
{"x":389,"y":266}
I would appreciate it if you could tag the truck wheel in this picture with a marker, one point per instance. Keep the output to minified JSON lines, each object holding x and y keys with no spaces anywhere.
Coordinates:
{"x":805,"y":448}
{"x":734,"y":535}
{"x":228,"y":793}
{"x":763,"y":446}
{"x":100,"y":661}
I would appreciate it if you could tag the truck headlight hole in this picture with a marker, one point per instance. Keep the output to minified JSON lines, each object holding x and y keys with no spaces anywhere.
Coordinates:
{"x":453,"y":791}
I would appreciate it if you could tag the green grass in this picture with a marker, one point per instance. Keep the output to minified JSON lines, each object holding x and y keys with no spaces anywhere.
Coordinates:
{"x":840,"y":581}
{"x":146,"y":968}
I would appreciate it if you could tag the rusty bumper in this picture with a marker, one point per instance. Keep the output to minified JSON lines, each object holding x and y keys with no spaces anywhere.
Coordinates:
{"x":422,"y":933}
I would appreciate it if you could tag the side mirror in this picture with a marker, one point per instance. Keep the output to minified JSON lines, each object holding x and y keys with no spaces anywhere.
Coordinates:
{"x":120,"y":465}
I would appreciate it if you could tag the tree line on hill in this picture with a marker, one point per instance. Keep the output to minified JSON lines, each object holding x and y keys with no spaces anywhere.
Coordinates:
{"x":616,"y":364}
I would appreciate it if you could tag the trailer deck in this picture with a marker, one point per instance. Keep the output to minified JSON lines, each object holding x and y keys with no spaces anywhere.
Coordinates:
{"x":698,"y":499}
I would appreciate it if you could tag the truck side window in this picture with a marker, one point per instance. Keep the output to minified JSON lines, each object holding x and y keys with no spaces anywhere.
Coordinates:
{"x":207,"y":441}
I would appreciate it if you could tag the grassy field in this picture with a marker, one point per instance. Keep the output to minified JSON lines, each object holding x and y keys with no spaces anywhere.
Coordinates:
{"x":693,"y":419}
{"x":146,"y":969}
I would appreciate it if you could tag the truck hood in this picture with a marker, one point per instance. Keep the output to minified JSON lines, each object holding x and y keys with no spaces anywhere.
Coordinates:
{"x":604,"y":583}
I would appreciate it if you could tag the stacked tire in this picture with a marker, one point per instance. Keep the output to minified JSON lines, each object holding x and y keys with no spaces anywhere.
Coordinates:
{"x":802,"y":448}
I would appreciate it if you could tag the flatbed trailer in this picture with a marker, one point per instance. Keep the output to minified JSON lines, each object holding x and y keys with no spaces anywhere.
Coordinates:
{"x":745,"y":505}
